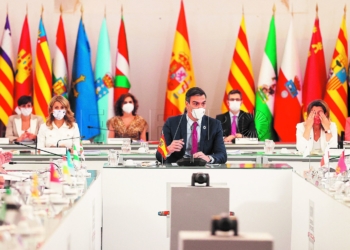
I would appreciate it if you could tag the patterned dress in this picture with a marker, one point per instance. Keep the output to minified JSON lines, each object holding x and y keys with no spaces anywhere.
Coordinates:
{"x":133,"y":131}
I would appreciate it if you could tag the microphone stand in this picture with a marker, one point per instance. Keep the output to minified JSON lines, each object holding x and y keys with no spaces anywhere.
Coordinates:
{"x":40,"y":162}
{"x":72,"y":138}
{"x":18,"y":143}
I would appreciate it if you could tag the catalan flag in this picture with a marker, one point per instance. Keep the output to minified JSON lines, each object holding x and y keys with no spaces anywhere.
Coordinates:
{"x":121,"y":80}
{"x":181,"y":72}
{"x":23,"y":75}
{"x":60,"y":65}
{"x":162,"y":147}
{"x":241,"y":73}
{"x":315,"y":74}
{"x":6,"y":75}
{"x":43,"y":75}
{"x":336,"y":95}
{"x":287,"y":106}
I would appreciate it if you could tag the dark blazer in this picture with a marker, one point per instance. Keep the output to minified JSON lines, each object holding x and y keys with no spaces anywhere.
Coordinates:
{"x":211,"y":141}
{"x":245,"y":126}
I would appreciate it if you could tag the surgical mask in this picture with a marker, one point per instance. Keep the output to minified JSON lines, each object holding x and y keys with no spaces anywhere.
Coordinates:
{"x":128,"y":107}
{"x":59,"y":113}
{"x":198,"y":113}
{"x":235,"y":105}
{"x":26,"y":111}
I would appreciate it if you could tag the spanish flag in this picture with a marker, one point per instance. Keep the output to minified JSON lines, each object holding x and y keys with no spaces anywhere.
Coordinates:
{"x":181,"y":74}
{"x":162,"y":147}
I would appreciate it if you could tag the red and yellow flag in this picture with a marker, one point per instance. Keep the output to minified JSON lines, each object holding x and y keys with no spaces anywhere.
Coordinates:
{"x":162,"y":147}
{"x":181,"y":74}
{"x":336,"y":95}
{"x":43,"y":75}
{"x":315,"y":74}
{"x":23,"y":76}
{"x":241,"y":73}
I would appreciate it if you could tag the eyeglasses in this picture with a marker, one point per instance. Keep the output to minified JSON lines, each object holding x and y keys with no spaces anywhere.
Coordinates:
{"x":235,"y":99}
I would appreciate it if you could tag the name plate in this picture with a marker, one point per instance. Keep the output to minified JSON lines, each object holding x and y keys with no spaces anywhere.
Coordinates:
{"x":4,"y":140}
{"x":246,"y":141}
{"x":59,"y":151}
{"x":117,"y":140}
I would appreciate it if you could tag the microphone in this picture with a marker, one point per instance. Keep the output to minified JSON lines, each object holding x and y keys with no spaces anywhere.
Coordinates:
{"x":37,"y":162}
{"x":78,"y":137}
{"x":18,"y":143}
{"x":100,"y":128}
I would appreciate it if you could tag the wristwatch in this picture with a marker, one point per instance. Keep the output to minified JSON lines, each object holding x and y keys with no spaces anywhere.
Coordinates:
{"x":327,"y":131}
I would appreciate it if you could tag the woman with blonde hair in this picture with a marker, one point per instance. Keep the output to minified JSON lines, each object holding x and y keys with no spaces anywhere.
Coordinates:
{"x":60,"y":127}
{"x":317,"y":132}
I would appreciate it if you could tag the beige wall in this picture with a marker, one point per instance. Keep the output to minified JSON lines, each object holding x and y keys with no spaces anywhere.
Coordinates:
{"x":150,"y":27}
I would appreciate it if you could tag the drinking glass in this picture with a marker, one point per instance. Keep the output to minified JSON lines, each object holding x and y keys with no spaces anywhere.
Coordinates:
{"x":269,"y":146}
{"x":144,"y":145}
{"x":113,"y":158}
{"x":126,"y":147}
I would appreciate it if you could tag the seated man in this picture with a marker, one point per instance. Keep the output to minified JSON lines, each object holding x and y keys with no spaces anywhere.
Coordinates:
{"x":236,"y":123}
{"x":193,"y":133}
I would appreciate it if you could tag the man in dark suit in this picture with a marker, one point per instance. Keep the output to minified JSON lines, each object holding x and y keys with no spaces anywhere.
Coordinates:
{"x":193,"y":133}
{"x":243,"y":125}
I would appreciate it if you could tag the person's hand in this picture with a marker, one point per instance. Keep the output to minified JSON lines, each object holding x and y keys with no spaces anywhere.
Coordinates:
{"x":2,"y":182}
{"x":22,"y":137}
{"x":229,"y":138}
{"x":2,"y":170}
{"x":238,"y":135}
{"x":175,"y":146}
{"x":326,"y":124}
{"x":30,"y":136}
{"x":310,"y":120}
{"x":202,"y":156}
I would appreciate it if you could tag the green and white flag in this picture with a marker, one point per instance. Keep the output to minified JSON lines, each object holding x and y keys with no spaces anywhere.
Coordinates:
{"x":76,"y":159}
{"x":265,"y":95}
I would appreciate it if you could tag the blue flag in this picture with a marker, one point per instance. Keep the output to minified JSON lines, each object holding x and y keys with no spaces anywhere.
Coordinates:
{"x":83,"y":97}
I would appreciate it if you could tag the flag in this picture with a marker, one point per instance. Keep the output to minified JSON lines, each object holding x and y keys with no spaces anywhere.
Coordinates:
{"x":341,"y":166}
{"x":162,"y":147}
{"x":265,"y":96}
{"x":65,"y":170}
{"x":241,"y":75}
{"x":83,"y":97}
{"x":42,"y":75}
{"x":82,"y":155}
{"x":181,"y":72}
{"x":121,"y":81}
{"x":60,"y":65}
{"x":54,"y":176}
{"x":325,"y":158}
{"x":6,"y":75}
{"x":104,"y":82}
{"x":23,"y":75}
{"x":69,"y":160}
{"x":336,"y":95}
{"x":35,"y":186}
{"x":315,"y":74}
{"x":287,"y":108}
{"x":76,"y":160}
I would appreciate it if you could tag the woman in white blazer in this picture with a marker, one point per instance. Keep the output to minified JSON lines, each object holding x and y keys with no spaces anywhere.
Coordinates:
{"x":317,"y":132}
{"x":60,"y":126}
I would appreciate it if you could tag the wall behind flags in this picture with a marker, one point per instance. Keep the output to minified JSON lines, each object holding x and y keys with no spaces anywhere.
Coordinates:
{"x":150,"y":28}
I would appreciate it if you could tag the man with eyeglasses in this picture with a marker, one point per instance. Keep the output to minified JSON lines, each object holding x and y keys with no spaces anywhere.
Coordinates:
{"x":236,"y":123}
{"x":193,"y":134}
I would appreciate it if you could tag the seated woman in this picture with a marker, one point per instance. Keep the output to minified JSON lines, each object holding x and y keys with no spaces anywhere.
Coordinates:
{"x":126,"y":124}
{"x":24,"y":126}
{"x":60,"y":126}
{"x":317,"y":132}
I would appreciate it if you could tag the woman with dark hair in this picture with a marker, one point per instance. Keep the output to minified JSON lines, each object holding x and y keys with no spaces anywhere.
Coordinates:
{"x":317,"y":132}
{"x":126,"y":123}
{"x":60,"y":124}
{"x":25,"y":125}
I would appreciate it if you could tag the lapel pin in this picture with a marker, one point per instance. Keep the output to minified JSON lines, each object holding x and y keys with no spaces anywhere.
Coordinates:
{"x":204,"y":127}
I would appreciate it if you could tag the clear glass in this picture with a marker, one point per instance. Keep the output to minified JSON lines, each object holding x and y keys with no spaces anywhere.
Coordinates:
{"x":113,"y":158}
{"x":126,"y":146}
{"x":269,"y":146}
{"x":145,"y":148}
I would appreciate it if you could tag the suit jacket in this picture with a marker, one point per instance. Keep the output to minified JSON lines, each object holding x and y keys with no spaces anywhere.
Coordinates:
{"x":14,"y":125}
{"x":245,"y":124}
{"x":211,"y":141}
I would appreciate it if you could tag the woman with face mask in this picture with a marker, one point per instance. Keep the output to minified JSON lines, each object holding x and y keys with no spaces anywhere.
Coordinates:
{"x":317,"y":132}
{"x":126,"y":123}
{"x":60,"y":126}
{"x":24,"y":126}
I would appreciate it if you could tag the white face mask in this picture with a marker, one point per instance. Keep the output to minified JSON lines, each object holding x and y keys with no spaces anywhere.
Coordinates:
{"x":59,"y":113}
{"x":235,"y":105}
{"x":26,"y":111}
{"x":198,"y":113}
{"x":128,"y":108}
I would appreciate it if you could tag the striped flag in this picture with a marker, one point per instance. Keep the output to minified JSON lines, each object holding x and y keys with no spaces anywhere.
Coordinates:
{"x":265,"y":96}
{"x":288,"y":91}
{"x":23,"y":75}
{"x":6,"y":75}
{"x":43,"y":74}
{"x":181,"y":72}
{"x":121,"y":81}
{"x":241,"y":73}
{"x":336,"y":95}
{"x":315,"y":74}
{"x":104,"y":82}
{"x":60,"y":65}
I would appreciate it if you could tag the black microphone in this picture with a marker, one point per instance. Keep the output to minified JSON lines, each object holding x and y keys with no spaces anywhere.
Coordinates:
{"x":100,"y":128}
{"x":18,"y":143}
{"x":78,"y":137}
